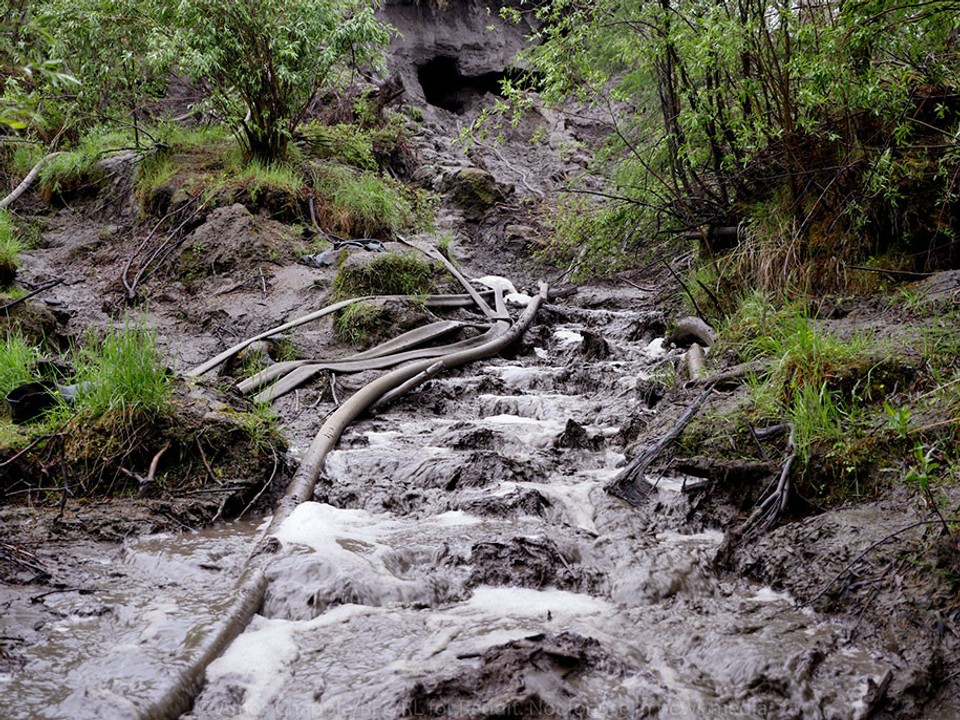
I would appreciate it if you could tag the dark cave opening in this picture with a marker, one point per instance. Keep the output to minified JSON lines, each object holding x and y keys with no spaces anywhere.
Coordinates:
{"x":444,"y":86}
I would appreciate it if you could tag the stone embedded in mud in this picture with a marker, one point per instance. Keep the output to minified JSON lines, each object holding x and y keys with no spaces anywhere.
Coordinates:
{"x":233,"y":240}
{"x":531,"y":562}
{"x":526,"y":678}
{"x":474,"y":191}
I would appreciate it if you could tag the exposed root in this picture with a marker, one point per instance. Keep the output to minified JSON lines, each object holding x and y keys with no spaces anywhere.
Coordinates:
{"x":631,"y":484}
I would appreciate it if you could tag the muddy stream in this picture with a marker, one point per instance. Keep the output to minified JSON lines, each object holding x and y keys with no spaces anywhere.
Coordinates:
{"x":461,"y":559}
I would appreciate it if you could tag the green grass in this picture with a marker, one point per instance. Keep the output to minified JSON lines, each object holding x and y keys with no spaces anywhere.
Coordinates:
{"x":386,"y":274}
{"x":356,"y":323}
{"x":122,"y":374}
{"x":10,"y":248}
{"x":16,"y":358}
{"x":257,"y":178}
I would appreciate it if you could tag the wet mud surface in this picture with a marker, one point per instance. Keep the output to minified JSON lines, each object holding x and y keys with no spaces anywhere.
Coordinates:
{"x":460,"y":557}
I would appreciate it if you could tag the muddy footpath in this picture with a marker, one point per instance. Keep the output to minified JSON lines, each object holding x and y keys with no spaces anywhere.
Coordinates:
{"x":462,"y":555}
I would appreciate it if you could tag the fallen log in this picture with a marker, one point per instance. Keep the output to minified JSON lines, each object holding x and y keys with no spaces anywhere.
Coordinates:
{"x":27,"y":181}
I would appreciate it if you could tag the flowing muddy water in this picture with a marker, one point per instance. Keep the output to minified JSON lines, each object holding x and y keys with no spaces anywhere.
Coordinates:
{"x":462,"y":560}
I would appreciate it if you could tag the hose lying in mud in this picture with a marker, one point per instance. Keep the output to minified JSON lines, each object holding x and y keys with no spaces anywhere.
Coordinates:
{"x":251,"y":587}
{"x":307,"y":372}
{"x":432,"y":301}
{"x":502,"y":335}
{"x":393,"y":352}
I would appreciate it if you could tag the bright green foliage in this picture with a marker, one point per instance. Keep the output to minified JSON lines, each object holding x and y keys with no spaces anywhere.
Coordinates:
{"x":110,"y":47}
{"x":28,"y":65}
{"x":121,"y":373}
{"x":16,"y":358}
{"x":264,"y":61}
{"x":732,"y":110}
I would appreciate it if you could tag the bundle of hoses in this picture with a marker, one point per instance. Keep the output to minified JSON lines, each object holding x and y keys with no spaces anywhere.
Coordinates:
{"x":422,"y":364}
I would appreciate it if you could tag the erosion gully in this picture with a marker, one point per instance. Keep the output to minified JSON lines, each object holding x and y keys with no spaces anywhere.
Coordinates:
{"x":461,"y":559}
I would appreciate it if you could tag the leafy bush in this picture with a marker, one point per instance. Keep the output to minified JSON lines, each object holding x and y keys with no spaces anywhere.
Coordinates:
{"x":264,"y":61}
{"x":827,"y":132}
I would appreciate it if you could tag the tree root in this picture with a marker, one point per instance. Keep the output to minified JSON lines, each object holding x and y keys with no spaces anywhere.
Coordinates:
{"x":630,"y":485}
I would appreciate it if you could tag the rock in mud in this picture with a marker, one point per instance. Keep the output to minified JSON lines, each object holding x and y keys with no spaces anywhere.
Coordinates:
{"x":525,"y":678}
{"x":532,"y":562}
{"x":474,"y":191}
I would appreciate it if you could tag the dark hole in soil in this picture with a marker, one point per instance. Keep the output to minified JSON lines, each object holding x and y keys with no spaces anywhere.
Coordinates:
{"x":444,"y":86}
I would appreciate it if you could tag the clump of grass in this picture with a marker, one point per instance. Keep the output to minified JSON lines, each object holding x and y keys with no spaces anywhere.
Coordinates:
{"x":10,"y":248}
{"x":16,"y":357}
{"x":356,"y":323}
{"x":121,"y":374}
{"x":257,"y":177}
{"x":362,"y":204}
{"x":343,"y":142}
{"x":386,"y":274}
{"x":78,"y":167}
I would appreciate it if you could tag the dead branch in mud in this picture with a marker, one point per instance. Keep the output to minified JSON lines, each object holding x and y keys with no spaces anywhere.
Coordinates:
{"x":161,"y":252}
{"x":723,"y":470}
{"x":437,"y":255}
{"x":630,"y":485}
{"x":307,"y":372}
{"x":27,"y":181}
{"x":870,"y":548}
{"x":23,"y":298}
{"x":730,"y":376}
